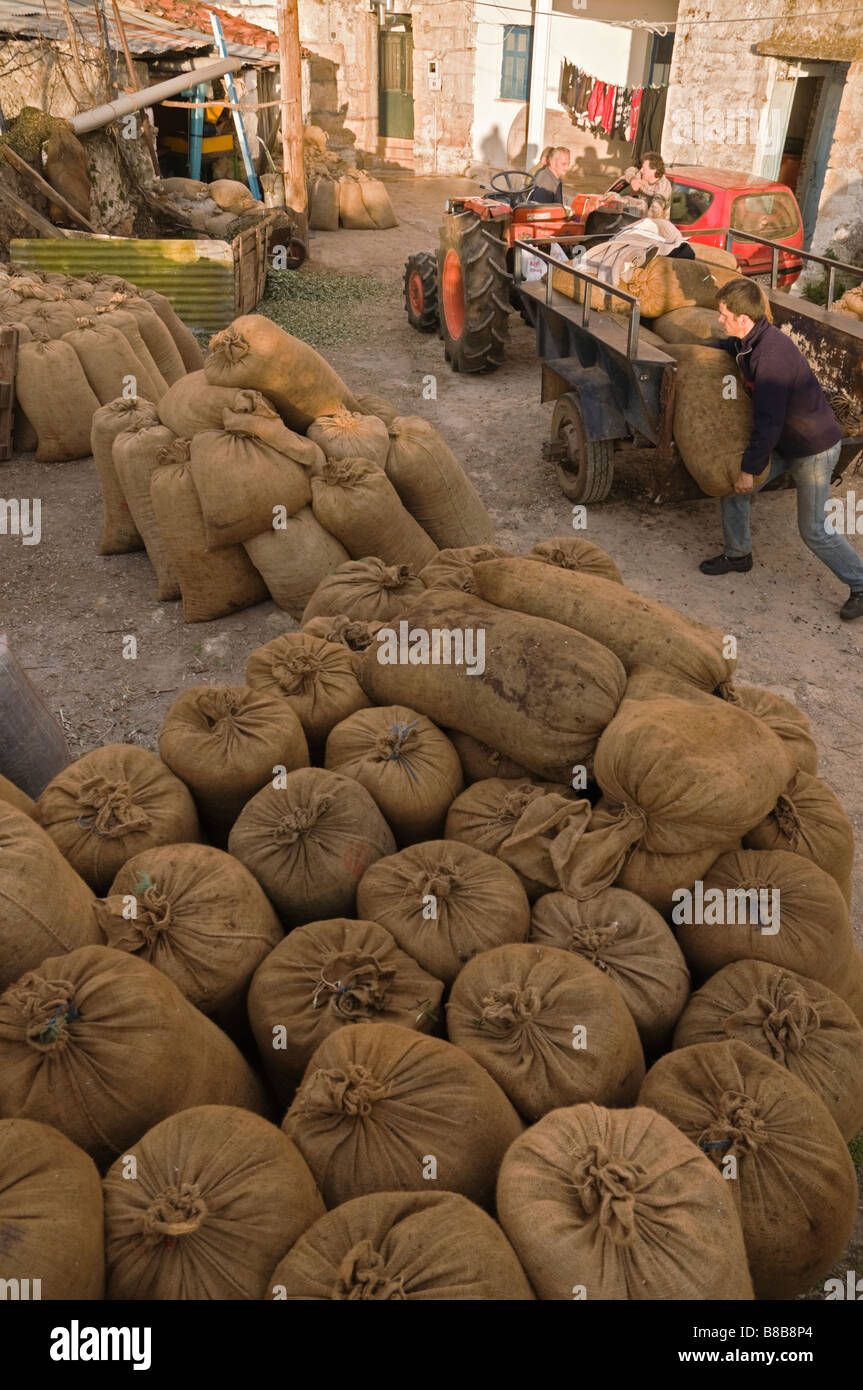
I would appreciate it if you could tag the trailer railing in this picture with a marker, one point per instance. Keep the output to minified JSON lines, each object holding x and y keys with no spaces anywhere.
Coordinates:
{"x":534,"y":244}
{"x":731,"y":235}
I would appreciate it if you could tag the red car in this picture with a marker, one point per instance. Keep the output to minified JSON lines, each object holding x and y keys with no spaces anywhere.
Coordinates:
{"x":714,"y":198}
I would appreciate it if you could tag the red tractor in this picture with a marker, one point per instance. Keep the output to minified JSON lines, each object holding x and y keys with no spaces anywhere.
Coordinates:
{"x":466,"y":290}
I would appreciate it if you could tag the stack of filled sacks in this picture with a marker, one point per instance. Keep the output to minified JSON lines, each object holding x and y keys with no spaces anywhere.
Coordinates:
{"x":84,"y":342}
{"x":262,"y":473}
{"x":503,"y":1063}
{"x":338,"y":193}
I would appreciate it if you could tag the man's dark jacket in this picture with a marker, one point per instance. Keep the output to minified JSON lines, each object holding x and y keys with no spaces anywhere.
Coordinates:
{"x":792,"y":414}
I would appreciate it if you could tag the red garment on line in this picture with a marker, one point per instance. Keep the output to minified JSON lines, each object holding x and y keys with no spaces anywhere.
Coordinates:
{"x":633,"y":118}
{"x":606,"y":120}
{"x":594,"y":105}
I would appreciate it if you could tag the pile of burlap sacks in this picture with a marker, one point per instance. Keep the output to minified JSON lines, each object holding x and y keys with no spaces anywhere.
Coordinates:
{"x":712,"y":423}
{"x":338,"y":193}
{"x":261,"y":474}
{"x":379,"y":973}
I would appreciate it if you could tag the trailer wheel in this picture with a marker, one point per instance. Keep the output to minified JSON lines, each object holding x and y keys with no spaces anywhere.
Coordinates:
{"x":421,"y":291}
{"x":474,"y":286}
{"x":585,"y":468}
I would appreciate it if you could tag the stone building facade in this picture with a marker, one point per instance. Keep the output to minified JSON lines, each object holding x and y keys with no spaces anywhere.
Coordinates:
{"x":780,"y":97}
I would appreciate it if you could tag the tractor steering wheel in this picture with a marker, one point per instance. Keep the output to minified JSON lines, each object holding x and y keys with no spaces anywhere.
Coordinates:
{"x":517,"y":183}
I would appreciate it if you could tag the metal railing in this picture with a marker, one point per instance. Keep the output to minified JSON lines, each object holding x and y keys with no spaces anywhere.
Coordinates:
{"x":590,"y":280}
{"x":731,"y":235}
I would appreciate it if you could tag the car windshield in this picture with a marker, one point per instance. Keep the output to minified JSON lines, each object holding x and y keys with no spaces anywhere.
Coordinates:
{"x":772,"y":215}
{"x":689,"y":204}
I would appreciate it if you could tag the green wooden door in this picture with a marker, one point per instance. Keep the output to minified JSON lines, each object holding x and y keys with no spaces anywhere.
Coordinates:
{"x":396,"y":90}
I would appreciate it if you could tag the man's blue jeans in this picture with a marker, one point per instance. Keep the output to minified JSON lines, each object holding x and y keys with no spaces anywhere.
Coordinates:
{"x":812,"y":477}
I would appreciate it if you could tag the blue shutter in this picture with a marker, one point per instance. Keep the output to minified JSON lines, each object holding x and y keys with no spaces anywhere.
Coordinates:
{"x":515,"y":64}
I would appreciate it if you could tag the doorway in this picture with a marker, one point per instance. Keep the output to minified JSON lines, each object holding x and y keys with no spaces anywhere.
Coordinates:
{"x":396,"y":78}
{"x":804,"y":107}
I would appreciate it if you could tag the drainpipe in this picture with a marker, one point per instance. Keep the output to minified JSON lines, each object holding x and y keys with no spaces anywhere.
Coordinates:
{"x":133,"y":101}
{"x":538,"y":81}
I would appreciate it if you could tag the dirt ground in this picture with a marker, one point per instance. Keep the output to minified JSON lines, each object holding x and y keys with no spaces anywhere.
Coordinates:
{"x":66,"y":610}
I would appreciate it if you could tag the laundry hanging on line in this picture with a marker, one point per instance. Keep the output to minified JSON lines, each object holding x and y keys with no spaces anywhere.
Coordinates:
{"x":633,"y":115}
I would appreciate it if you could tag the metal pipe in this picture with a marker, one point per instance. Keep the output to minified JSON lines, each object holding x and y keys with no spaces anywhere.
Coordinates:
{"x":133,"y":101}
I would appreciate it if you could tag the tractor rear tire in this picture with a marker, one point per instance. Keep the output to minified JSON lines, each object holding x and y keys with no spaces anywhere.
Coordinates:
{"x":474,"y":290}
{"x":421,"y":300}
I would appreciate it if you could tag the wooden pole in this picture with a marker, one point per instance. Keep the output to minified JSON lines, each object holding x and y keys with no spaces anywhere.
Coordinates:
{"x":130,"y":68}
{"x":45,"y":188}
{"x":290,"y":73}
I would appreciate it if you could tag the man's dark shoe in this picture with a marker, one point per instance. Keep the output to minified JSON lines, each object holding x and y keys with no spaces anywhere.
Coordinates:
{"x":728,"y":564}
{"x":852,"y":607}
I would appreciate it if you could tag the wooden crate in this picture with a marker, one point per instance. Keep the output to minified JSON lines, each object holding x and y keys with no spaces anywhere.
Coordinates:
{"x":250,"y":267}
{"x":8,"y":355}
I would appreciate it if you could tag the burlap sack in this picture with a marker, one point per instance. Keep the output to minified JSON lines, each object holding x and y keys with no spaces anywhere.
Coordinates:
{"x":797,"y":1022}
{"x":370,"y":404}
{"x":51,"y":1210}
{"x":184,"y":339}
{"x":412,"y":1245}
{"x":158,"y":338}
{"x":851,"y":302}
{"x":453,"y":568}
{"x":783,"y":717}
{"x":672,"y":283}
{"x":136,"y":452}
{"x":548,"y":1026}
{"x":714,"y":255}
{"x":294,"y":559}
{"x":325,"y":976}
{"x":713,"y":417}
{"x":652,"y":683}
{"x":808,"y":819}
{"x":678,"y":776}
{"x":149,"y":383}
{"x":10,"y":795}
{"x":48,"y":321}
{"x":119,"y":532}
{"x":433,"y":485}
{"x":220,"y":1195}
{"x":657,"y":877}
{"x":316,"y":678}
{"x":44,"y":906}
{"x":350,"y":434}
{"x":213,"y":583}
{"x":522,"y":701}
{"x":409,"y":766}
{"x":809,"y":927}
{"x":112,"y":803}
{"x":198,"y":916}
{"x":693,"y":326}
{"x":364,"y":203}
{"x":618,"y":1204}
{"x":25,"y":440}
{"x":627,"y":940}
{"x":243,"y":486}
{"x":368,"y":590}
{"x":533,"y":827}
{"x":444,"y":903}
{"x":638,"y":630}
{"x":309,"y":842}
{"x":355,"y":501}
{"x":192,"y":405}
{"x":230,"y":195}
{"x":109,"y":361}
{"x":479,"y":761}
{"x":66,"y":168}
{"x":63,"y":415}
{"x":258,"y":354}
{"x":379,"y":1103}
{"x":795,"y":1185}
{"x":226,"y":742}
{"x":69,"y":1029}
{"x":323,"y":195}
{"x":355,"y":635}
{"x":252,"y":413}
{"x":575,"y":553}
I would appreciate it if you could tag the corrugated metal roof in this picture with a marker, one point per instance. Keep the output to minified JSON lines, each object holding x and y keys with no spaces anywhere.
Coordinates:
{"x":196,"y":276}
{"x":147,"y":35}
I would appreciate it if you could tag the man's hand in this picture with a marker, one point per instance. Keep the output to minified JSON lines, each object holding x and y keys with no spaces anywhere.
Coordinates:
{"x":745,"y":482}
{"x":636,"y":183}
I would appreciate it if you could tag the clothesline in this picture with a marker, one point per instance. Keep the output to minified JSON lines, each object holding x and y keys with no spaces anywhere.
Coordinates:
{"x":633,"y":115}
